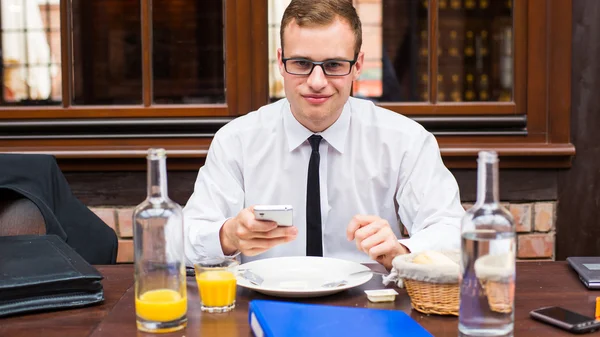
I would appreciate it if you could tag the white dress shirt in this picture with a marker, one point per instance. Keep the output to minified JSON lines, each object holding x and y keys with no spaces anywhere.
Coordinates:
{"x":373,"y":161}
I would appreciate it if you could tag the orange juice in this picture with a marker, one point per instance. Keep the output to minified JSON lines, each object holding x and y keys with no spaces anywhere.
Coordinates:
{"x":216,"y":287}
{"x":161,"y":305}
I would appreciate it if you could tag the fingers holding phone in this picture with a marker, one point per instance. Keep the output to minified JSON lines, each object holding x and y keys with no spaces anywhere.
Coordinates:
{"x":281,"y":214}
{"x":251,"y":236}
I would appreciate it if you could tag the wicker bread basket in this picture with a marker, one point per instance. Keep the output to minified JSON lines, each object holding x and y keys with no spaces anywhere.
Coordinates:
{"x":496,"y":274}
{"x":432,"y":288}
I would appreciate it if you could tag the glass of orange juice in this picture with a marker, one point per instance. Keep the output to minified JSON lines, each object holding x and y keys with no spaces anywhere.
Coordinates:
{"x":216,"y":284}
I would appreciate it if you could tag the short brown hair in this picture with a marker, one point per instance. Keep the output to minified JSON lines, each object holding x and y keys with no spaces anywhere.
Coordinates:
{"x":321,"y":13}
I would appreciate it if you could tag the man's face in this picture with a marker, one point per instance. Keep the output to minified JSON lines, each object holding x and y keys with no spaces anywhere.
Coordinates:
{"x":317,"y":100}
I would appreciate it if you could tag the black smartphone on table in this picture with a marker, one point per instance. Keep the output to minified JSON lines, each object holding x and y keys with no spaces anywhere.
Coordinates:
{"x":565,"y":319}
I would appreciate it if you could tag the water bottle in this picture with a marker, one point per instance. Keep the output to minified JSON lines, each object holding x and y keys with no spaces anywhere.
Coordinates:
{"x":159,"y":265}
{"x":487,"y":263}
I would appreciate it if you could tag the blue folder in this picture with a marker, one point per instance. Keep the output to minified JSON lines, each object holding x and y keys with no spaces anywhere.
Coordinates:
{"x":289,"y":319}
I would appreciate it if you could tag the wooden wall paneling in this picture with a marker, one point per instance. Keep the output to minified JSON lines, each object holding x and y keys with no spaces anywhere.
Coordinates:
{"x":121,"y":111}
{"x":516,"y":185}
{"x":243,"y":60}
{"x":260,"y":54}
{"x":433,"y":50}
{"x":520,"y":14}
{"x":147,"y":64}
{"x":87,"y":53}
{"x":537,"y":67}
{"x":231,"y":47}
{"x":66,"y":54}
{"x":578,"y":211}
{"x":129,"y":188}
{"x":559,"y":75}
{"x":449,"y":109}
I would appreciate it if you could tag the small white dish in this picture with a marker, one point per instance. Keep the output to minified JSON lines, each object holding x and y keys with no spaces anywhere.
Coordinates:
{"x":381,"y":295}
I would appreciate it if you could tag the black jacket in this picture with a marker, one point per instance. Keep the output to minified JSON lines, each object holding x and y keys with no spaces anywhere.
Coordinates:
{"x":39,"y":179}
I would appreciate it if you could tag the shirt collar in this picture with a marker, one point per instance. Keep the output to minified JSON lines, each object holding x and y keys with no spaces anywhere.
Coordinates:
{"x":335,"y":135}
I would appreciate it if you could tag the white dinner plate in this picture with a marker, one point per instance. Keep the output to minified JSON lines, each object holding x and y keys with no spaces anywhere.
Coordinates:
{"x":302,"y":276}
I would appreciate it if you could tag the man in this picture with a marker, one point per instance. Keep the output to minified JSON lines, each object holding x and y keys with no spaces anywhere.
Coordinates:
{"x":350,"y":170}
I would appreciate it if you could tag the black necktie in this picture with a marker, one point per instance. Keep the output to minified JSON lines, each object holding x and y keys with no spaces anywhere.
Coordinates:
{"x":314,"y":245}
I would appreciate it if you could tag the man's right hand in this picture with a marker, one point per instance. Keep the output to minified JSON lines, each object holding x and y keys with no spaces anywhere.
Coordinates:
{"x":250,"y":236}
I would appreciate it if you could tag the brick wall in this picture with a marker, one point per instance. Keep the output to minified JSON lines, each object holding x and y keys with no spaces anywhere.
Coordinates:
{"x":534,"y":221}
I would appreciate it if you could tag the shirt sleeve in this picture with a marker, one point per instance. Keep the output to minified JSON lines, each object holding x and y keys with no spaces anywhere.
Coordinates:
{"x":428,"y":199}
{"x":218,"y":195}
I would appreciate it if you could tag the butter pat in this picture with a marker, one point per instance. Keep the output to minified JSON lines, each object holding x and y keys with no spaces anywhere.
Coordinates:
{"x":381,"y":295}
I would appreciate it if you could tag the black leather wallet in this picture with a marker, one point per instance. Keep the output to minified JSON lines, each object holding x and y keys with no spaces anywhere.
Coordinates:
{"x":44,"y":273}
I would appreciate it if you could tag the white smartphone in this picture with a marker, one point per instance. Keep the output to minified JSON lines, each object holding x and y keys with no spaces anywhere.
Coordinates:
{"x":282,"y":214}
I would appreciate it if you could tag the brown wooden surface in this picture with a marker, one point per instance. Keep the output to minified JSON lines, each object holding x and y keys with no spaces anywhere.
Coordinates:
{"x":260,"y":52}
{"x":66,"y":56}
{"x":433,"y":16}
{"x":243,"y":41}
{"x":73,"y":322}
{"x":123,"y":189}
{"x":560,"y":32}
{"x":147,"y":51}
{"x":538,"y":284}
{"x":515,"y":185}
{"x":111,"y":152}
{"x":578,"y":214}
{"x":537,"y":67}
{"x":520,"y":14}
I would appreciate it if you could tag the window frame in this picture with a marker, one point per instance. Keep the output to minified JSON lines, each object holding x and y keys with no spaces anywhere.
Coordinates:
{"x":540,"y":111}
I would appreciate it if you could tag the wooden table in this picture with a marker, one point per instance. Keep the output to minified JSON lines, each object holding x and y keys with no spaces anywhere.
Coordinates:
{"x":73,"y":322}
{"x":538,"y":284}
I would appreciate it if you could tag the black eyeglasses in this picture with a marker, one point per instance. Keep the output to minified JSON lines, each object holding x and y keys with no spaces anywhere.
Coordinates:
{"x":302,"y":66}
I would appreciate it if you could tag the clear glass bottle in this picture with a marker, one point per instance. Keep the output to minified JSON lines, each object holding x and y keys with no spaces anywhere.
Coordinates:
{"x":159,"y":261}
{"x":487,"y":265}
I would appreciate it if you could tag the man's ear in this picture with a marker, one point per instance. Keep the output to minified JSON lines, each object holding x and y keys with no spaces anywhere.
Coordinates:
{"x":358,"y":65}
{"x":280,"y":61}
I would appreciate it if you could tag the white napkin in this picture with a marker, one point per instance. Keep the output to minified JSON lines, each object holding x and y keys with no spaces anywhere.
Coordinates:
{"x":441,"y":267}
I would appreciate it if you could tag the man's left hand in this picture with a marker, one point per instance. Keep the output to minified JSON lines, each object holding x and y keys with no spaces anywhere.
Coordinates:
{"x":374,"y":236}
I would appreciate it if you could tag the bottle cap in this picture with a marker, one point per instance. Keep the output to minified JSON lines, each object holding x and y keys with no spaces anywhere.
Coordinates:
{"x":488,"y":156}
{"x":154,"y":153}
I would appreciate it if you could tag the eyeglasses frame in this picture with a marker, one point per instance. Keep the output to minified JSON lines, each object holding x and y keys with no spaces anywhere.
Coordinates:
{"x":317,"y":63}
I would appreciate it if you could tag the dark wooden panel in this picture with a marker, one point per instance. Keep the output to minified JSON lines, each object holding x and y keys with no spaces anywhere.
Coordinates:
{"x":515,"y":185}
{"x":433,"y":51}
{"x":181,"y":127}
{"x":126,"y":188}
{"x":559,"y":76}
{"x":129,"y":188}
{"x":260,"y":54}
{"x":147,"y":60}
{"x":578,"y":231}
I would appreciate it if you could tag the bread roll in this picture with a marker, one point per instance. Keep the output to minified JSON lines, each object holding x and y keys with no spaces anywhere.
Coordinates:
{"x":432,"y":257}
